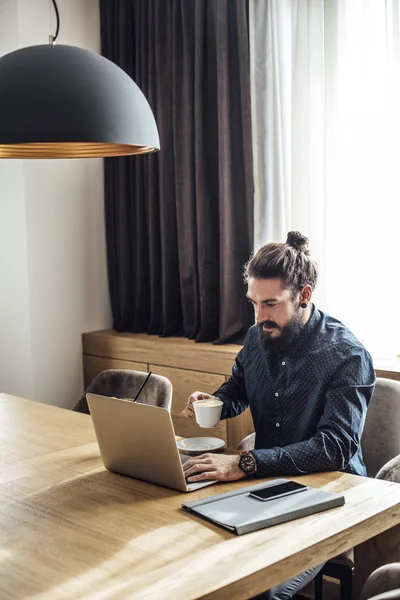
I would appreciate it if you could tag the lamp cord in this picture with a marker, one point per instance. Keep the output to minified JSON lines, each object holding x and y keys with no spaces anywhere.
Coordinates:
{"x":54,"y":37}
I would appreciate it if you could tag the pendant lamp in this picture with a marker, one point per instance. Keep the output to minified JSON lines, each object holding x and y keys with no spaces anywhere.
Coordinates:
{"x":61,"y":101}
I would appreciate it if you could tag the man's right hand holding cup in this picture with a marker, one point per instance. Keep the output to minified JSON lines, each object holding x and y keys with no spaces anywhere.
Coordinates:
{"x":188,"y":412}
{"x":203,"y":407}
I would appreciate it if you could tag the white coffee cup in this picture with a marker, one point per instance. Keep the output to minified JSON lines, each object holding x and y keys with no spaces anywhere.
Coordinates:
{"x":208,"y":411}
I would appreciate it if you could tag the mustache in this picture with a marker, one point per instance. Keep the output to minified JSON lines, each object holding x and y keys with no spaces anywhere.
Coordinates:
{"x":269,"y":324}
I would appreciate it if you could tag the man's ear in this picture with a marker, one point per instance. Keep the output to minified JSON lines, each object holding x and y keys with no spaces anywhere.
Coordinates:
{"x":306,"y":294}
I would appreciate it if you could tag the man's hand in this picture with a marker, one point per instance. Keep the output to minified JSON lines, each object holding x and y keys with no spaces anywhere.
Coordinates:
{"x":222,"y":467}
{"x":188,"y":412}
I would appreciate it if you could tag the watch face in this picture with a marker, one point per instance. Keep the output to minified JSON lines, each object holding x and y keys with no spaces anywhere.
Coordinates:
{"x":247,"y":463}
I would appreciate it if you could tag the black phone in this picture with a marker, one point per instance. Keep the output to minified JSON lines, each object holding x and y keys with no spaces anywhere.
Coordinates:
{"x":277,"y":491}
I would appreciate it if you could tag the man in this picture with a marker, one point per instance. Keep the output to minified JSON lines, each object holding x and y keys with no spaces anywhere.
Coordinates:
{"x":306,"y":377}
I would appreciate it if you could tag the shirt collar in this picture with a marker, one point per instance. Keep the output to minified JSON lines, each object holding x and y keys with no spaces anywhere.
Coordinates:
{"x":310,"y":326}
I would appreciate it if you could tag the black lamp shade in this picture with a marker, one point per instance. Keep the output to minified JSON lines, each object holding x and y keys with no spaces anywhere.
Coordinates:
{"x":65,"y":102}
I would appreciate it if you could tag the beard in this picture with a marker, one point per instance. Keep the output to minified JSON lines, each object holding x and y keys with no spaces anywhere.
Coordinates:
{"x":287,"y":334}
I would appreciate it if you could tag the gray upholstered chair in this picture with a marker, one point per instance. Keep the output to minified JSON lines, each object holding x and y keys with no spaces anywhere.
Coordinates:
{"x":125,"y":384}
{"x":383,"y":584}
{"x":248,"y":442}
{"x":381,"y":451}
{"x":381,"y":438}
{"x":390,"y":471}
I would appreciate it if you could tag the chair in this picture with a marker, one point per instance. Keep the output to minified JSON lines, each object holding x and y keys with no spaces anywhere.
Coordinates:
{"x":383,"y":415}
{"x":383,"y":584}
{"x":390,"y":471}
{"x":125,"y":384}
{"x":247,"y":443}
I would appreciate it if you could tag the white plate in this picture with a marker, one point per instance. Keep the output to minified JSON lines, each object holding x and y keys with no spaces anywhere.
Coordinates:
{"x":200,"y":444}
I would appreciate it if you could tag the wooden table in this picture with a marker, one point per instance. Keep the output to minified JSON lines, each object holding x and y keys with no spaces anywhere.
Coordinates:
{"x":70,"y":529}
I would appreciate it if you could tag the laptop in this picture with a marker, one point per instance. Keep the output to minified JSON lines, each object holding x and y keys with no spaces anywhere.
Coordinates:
{"x":138,"y":440}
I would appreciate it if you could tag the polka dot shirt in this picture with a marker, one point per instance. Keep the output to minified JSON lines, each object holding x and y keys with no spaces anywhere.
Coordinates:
{"x":308,"y":403}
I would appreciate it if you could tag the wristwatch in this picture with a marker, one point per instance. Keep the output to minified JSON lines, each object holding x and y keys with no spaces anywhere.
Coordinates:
{"x":247,"y":463}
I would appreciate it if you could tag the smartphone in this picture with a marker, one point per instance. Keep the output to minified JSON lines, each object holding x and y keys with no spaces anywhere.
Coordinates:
{"x":279,"y":490}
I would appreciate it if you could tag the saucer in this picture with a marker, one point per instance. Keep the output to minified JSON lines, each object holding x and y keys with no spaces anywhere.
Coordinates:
{"x":200,"y":444}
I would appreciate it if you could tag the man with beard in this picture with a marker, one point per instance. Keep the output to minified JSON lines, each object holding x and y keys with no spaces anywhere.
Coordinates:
{"x":305,"y":376}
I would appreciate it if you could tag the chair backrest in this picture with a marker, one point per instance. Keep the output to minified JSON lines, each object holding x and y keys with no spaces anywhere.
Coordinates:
{"x":383,"y":583}
{"x":248,"y":442}
{"x":380,"y":440}
{"x":390,"y":470}
{"x":124,"y":384}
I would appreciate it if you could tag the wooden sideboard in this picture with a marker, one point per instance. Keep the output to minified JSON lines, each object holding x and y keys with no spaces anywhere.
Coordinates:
{"x":189,"y":366}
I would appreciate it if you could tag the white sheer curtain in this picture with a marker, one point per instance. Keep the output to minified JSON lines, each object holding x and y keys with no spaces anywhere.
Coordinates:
{"x":326,"y":142}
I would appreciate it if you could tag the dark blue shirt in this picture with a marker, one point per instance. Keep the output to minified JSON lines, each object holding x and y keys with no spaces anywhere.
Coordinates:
{"x":308,"y":403}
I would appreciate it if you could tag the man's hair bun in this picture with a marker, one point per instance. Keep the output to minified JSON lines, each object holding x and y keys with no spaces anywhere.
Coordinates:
{"x":298,"y":241}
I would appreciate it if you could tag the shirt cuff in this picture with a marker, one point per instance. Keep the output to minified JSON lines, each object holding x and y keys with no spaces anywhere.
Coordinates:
{"x":267,"y":462}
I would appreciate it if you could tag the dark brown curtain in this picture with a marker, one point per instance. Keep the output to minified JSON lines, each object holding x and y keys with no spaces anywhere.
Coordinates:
{"x":179,"y":223}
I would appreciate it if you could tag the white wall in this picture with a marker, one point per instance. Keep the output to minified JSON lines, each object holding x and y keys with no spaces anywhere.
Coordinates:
{"x":52,"y":240}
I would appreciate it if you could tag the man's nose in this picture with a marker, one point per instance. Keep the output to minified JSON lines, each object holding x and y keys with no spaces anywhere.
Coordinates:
{"x":262,"y":314}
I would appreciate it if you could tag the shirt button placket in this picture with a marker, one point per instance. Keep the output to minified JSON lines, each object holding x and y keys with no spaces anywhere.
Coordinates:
{"x":277,"y":424}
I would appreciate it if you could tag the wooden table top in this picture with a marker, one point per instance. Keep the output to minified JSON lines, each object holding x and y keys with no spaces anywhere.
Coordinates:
{"x":70,"y":529}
